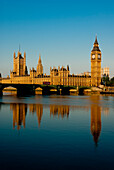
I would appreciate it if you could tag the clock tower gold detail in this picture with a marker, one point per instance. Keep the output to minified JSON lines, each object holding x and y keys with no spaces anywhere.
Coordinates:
{"x":57,"y":76}
{"x":95,"y":64}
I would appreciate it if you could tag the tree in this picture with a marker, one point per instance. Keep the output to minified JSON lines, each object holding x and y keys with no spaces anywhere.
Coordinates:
{"x":112,"y":82}
{"x":105,"y":80}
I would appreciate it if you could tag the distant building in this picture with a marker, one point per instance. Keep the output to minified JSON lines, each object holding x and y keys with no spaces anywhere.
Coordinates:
{"x":105,"y":71}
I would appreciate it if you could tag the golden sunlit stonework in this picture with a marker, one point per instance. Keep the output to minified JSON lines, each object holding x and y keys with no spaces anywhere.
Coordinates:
{"x":58,"y":76}
{"x":61,"y":111}
{"x":95,"y":64}
{"x":95,"y":118}
{"x":19,"y":65}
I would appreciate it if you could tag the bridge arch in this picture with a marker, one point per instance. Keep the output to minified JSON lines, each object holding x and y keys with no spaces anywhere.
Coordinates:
{"x":3,"y":88}
{"x":81,"y":90}
{"x":22,"y":89}
{"x":9,"y":90}
{"x":38,"y":90}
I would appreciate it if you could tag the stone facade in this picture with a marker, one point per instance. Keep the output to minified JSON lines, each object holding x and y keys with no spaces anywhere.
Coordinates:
{"x":62,"y":76}
{"x":95,"y":64}
{"x":58,"y":76}
{"x":19,"y":65}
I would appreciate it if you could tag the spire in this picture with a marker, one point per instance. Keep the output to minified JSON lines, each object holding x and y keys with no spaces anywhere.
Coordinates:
{"x":96,"y":42}
{"x":39,"y":61}
{"x":18,"y":53}
{"x":67,"y":67}
{"x":24,"y":55}
{"x":96,"y":45}
{"x":14,"y":54}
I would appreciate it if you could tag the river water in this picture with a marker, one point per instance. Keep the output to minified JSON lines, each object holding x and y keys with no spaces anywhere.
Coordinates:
{"x":57,"y":132}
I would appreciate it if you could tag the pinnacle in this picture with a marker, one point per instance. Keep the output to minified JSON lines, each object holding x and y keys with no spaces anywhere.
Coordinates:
{"x":96,"y":42}
{"x":39,"y":61}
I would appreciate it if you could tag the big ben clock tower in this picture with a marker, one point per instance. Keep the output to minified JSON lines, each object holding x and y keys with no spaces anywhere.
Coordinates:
{"x":95,"y":64}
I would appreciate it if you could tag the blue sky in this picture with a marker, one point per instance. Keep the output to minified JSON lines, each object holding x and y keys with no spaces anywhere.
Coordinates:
{"x":62,"y":31}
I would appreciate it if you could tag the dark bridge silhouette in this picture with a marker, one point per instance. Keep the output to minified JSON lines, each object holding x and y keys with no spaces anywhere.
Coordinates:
{"x":29,"y":89}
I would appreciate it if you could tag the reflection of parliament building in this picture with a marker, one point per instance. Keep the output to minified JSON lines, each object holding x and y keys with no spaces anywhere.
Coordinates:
{"x":20,"y":112}
{"x":58,"y":76}
{"x":38,"y":108}
{"x":59,"y":110}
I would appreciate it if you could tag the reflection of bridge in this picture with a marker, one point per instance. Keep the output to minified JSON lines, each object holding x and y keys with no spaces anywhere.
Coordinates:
{"x":29,"y":89}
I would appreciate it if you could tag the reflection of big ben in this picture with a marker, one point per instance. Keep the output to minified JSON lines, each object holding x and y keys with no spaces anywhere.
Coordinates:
{"x":95,"y":64}
{"x":95,"y":118}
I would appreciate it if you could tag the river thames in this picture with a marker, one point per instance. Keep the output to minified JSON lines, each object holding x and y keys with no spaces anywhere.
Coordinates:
{"x":57,"y":132}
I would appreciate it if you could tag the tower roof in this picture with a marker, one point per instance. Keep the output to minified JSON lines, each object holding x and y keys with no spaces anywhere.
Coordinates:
{"x":96,"y":45}
{"x":14,"y":54}
{"x":24,"y":54}
{"x":96,"y":42}
{"x":39,"y":61}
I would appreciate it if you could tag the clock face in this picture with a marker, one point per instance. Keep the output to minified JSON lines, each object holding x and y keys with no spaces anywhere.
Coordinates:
{"x":93,"y":56}
{"x":99,"y":56}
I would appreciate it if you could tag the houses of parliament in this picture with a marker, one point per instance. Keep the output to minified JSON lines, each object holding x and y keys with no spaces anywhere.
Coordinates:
{"x":58,"y":76}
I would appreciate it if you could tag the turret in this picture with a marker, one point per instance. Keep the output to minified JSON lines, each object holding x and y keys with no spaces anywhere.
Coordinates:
{"x":25,"y":68}
{"x":24,"y":55}
{"x":39,"y":61}
{"x":67,"y":67}
{"x":14,"y":55}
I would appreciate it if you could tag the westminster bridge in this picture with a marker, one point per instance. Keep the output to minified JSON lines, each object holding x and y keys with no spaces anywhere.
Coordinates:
{"x":29,"y":89}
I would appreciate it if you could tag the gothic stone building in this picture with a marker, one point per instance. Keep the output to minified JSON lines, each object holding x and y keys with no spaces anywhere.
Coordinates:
{"x":58,"y":76}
